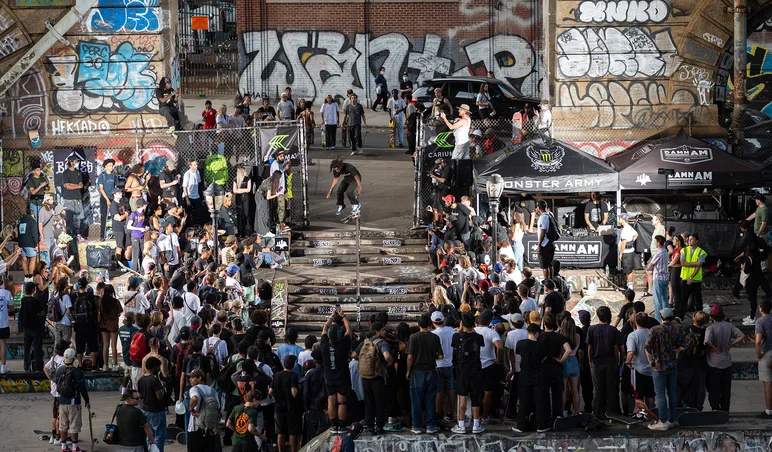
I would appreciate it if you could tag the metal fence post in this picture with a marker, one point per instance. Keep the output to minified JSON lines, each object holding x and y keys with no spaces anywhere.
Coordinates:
{"x":419,"y":170}
{"x":304,"y":171}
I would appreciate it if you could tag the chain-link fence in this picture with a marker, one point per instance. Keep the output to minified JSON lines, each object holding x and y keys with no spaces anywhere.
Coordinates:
{"x":219,"y":152}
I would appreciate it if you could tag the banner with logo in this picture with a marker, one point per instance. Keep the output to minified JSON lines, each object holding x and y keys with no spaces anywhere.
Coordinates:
{"x":86,"y":159}
{"x":439,"y":144}
{"x":284,"y":137}
{"x":577,"y":252}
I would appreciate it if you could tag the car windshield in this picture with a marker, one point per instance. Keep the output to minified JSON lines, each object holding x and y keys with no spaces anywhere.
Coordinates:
{"x":509,"y":92}
{"x":423,"y":91}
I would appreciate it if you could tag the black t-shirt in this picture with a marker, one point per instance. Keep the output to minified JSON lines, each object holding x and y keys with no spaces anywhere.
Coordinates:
{"x":552,"y":347}
{"x":466,"y":353}
{"x":694,"y":357}
{"x":405,"y":85}
{"x":426,"y":349}
{"x":463,"y":214}
{"x":29,"y":235}
{"x":31,"y":308}
{"x":118,"y":209}
{"x":445,"y":174}
{"x":265,"y":112}
{"x":254,"y":332}
{"x":603,"y":337}
{"x":160,"y":93}
{"x":71,"y":177}
{"x":627,"y":328}
{"x":335,"y":358}
{"x":531,"y":358}
{"x":526,"y":204}
{"x":596,"y":212}
{"x":130,"y":422}
{"x":555,"y":301}
{"x":623,"y":310}
{"x":226,"y":336}
{"x":348,"y":171}
{"x":258,"y":381}
{"x":147,"y":386}
{"x":282,"y":385}
{"x":169,"y":192}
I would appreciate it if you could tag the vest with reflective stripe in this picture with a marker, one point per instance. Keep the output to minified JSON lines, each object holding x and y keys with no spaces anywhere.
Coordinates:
{"x":692,"y":256}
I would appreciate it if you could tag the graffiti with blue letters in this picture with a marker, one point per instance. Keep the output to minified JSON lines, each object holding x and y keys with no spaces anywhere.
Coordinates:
{"x":126,"y":16}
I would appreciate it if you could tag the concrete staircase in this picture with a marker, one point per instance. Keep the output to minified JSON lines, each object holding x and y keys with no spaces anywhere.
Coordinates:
{"x":394,"y":277}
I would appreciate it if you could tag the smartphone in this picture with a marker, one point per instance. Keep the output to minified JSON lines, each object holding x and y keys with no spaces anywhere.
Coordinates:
{"x":337,"y":308}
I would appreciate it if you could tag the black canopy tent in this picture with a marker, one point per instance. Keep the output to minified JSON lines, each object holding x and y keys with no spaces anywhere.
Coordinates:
{"x":536,"y":166}
{"x":696,"y":165}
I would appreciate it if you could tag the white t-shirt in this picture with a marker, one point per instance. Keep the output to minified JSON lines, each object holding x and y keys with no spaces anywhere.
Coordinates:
{"x":545,"y":119}
{"x":140,"y":302}
{"x":515,"y":276}
{"x":54,"y":363}
{"x":169,"y":243}
{"x":220,"y":353}
{"x":462,"y":133}
{"x":176,"y":325}
{"x":199,"y":391}
{"x":544,"y":223}
{"x":528,"y":305}
{"x":304,"y":356}
{"x":191,"y":181}
{"x":190,"y":306}
{"x":65,"y":303}
{"x":6,"y":301}
{"x":628,"y":234}
{"x":446,"y":337}
{"x":488,"y":352}
{"x":396,"y":105}
{"x":512,"y":338}
{"x":330,"y":113}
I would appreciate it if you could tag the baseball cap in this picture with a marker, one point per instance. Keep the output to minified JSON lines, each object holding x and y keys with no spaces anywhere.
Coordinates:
{"x":449,"y":198}
{"x":166,"y":80}
{"x":760,"y":196}
{"x":715,"y":309}
{"x":584,"y":316}
{"x":516,"y":317}
{"x":185,"y":332}
{"x":437,"y":317}
{"x":494,"y":278}
{"x":233,"y":269}
{"x":69,"y":356}
{"x":624,"y":216}
{"x":477,"y":132}
{"x":666,"y":313}
{"x":170,"y":164}
{"x":498,"y":267}
{"x":141,"y":202}
{"x":542,"y":204}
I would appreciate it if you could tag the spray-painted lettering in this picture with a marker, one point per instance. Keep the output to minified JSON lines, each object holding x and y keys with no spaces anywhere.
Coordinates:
{"x":127,"y":16}
{"x":622,"y":11}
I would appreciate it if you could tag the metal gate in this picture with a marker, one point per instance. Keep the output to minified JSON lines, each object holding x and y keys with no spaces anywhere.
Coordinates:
{"x":207,"y":55}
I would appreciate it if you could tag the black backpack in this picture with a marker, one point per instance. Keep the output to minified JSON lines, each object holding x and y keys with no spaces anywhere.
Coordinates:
{"x":65,"y":386}
{"x":466,"y":351}
{"x":553,"y":235}
{"x":84,"y":308}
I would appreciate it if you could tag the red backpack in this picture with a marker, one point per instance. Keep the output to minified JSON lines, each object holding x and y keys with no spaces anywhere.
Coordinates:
{"x":138,"y":349}
{"x":182,"y":352}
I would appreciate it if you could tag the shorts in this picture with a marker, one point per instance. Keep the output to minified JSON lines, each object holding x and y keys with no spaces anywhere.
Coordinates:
{"x":341,"y":387}
{"x":627,"y":385}
{"x":28,"y":251}
{"x":644,"y":386}
{"x":765,"y":367}
{"x":445,"y":379}
{"x":70,"y":418}
{"x":55,"y":408}
{"x":469,"y":387}
{"x":571,"y":368}
{"x":249,"y":447}
{"x":87,"y":337}
{"x":120,"y":239}
{"x":547,"y":255}
{"x":491,"y":378}
{"x":289,"y":423}
{"x":628,"y":263}
{"x":5,"y":333}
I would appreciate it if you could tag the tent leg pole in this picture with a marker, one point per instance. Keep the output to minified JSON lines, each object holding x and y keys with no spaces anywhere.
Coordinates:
{"x":619,"y":205}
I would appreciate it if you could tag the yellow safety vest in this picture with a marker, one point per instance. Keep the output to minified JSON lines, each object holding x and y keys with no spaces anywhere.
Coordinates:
{"x":692,"y":256}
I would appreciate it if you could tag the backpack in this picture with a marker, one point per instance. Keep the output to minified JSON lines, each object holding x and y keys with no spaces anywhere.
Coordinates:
{"x":138,"y":348}
{"x":182,"y":352}
{"x":208,"y":417}
{"x":66,"y":384}
{"x":247,"y":278}
{"x":370,"y":362}
{"x":210,"y":356}
{"x":465,"y":352}
{"x":553,"y":235}
{"x":224,"y":381}
{"x":84,"y":308}
{"x":54,"y":310}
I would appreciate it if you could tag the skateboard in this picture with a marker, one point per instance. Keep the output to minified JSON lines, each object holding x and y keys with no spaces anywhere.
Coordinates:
{"x":182,"y":438}
{"x":695,"y":419}
{"x":563,"y":424}
{"x":126,"y":267}
{"x":43,"y":435}
{"x":619,"y":289}
{"x":679,"y":411}
{"x":91,"y":429}
{"x":614,"y":417}
{"x":351,"y":216}
{"x":172,"y":431}
{"x":391,"y":133}
{"x":506,"y":394}
{"x":641,"y":405}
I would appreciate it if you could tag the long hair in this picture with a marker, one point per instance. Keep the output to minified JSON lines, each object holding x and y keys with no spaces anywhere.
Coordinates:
{"x":337,"y":163}
{"x":275,"y":181}
{"x":440,"y":296}
{"x":241,"y":173}
{"x":568,"y":330}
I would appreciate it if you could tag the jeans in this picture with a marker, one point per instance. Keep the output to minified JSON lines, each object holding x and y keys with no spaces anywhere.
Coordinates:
{"x":660,"y":297}
{"x":355,"y":137}
{"x":605,"y":381}
{"x":62,"y":333}
{"x":157,"y":423}
{"x":399,"y":128}
{"x":666,"y":389}
{"x":348,"y":189}
{"x":196,"y":211}
{"x":330,"y":131}
{"x":719,"y":388}
{"x":519,"y":250}
{"x":46,"y":254}
{"x":172,"y":116}
{"x":461,"y":152}
{"x":35,"y":209}
{"x":423,"y":392}
{"x":33,"y":339}
{"x":102,"y":216}
{"x":73,"y":213}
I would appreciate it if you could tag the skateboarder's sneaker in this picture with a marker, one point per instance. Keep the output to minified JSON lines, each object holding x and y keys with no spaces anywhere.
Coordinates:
{"x":659,"y":425}
{"x":458,"y":429}
{"x":640,"y":416}
{"x":478,"y":429}
{"x":355,"y":208}
{"x":340,"y":210}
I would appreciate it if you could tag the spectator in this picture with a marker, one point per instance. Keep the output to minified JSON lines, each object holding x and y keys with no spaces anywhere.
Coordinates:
{"x":627,"y":255}
{"x":405,"y":86}
{"x":692,"y":259}
{"x":209,"y":116}
{"x":446,"y":395}
{"x":423,"y":349}
{"x":353,"y":118}
{"x":546,"y":248}
{"x":556,"y":351}
{"x":285,"y":109}
{"x":32,"y":315}
{"x":604,"y":347}
{"x":491,"y":357}
{"x":570,"y":365}
{"x":531,"y":382}
{"x":315,"y":397}
{"x":372,"y":354}
{"x":466,"y":345}
{"x":397,"y":107}
{"x":168,"y":98}
{"x":381,"y":89}
{"x":152,"y":403}
{"x":553,"y":302}
{"x":585,"y":374}
{"x":266,"y":112}
{"x":204,"y":408}
{"x":336,"y":346}
{"x":289,"y":404}
{"x":636,"y":360}
{"x":720,"y":337}
{"x":71,"y":386}
{"x":693,"y":366}
{"x":133,"y":427}
{"x":763,"y":346}
{"x":329,"y":112}
{"x":460,"y":130}
{"x":658,"y":267}
{"x":247,"y":422}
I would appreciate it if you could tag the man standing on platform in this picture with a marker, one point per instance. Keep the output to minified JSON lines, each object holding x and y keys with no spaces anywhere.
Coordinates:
{"x":760,"y":217}
{"x":627,"y":237}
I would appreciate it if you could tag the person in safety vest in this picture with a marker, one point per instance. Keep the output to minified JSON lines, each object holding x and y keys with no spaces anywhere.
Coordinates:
{"x":692,"y":259}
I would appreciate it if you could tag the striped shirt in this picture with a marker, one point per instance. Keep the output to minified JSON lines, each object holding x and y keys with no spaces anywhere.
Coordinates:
{"x":659,"y":265}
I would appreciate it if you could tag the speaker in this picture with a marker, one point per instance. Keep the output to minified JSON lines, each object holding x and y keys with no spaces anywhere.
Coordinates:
{"x":463,"y":178}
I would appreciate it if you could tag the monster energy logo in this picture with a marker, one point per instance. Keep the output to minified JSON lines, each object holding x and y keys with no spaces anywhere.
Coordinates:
{"x":441,"y":140}
{"x":277,"y":142}
{"x":546,"y":157}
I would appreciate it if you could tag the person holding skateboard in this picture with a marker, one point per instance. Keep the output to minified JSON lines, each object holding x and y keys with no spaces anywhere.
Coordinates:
{"x":71,"y":387}
{"x":351,"y":176}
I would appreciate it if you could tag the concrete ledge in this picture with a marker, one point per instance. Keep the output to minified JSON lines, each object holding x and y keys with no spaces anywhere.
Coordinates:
{"x":24,"y":382}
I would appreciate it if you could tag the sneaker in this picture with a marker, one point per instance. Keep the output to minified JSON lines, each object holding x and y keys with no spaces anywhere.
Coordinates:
{"x":76,"y":449}
{"x":51,"y":440}
{"x":747,"y":317}
{"x":400,"y":145}
{"x":478,"y":429}
{"x":116,"y":368}
{"x":646,"y":294}
{"x":359,"y":151}
{"x":81,"y":239}
{"x":3,"y":369}
{"x":671,"y":424}
{"x":486,"y":421}
{"x":764,"y":415}
{"x":749,"y":322}
{"x":416,"y":431}
{"x":543,"y":430}
{"x":517,"y":430}
{"x":432,"y":430}
{"x":457,"y":429}
{"x":392,"y":428}
{"x":276,"y":266}
{"x":105,"y":369}
{"x":57,"y":441}
{"x":355,"y":208}
{"x":340,"y":210}
{"x":332,"y":148}
{"x":640,"y":416}
{"x":353,"y":153}
{"x":659,"y":425}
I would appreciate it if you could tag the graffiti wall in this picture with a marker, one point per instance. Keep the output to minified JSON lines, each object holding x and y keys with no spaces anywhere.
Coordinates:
{"x":759,"y":76}
{"x":633,"y":69}
{"x":101,"y":81}
{"x":22,"y":384}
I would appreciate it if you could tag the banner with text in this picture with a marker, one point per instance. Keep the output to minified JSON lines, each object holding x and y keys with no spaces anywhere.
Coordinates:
{"x":273,"y":139}
{"x":86,"y":158}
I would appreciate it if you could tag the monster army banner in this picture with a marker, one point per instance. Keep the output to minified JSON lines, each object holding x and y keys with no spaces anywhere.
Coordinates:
{"x":273,"y":139}
{"x":545,"y":166}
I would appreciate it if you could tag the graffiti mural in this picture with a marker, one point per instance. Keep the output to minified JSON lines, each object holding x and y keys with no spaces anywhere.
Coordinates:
{"x":124,"y":16}
{"x":102,"y":78}
{"x":17,"y":385}
{"x":28,"y":107}
{"x":318,"y":63}
{"x":633,"y":11}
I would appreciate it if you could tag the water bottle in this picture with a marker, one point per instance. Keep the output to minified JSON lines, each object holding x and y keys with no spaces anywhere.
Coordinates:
{"x":324,"y":138}
{"x":698,"y":207}
{"x":607,"y":272}
{"x":107,"y":276}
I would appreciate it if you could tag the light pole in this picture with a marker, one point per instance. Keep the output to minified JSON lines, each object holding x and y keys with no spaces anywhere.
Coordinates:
{"x":214,"y":195}
{"x":495,"y":187}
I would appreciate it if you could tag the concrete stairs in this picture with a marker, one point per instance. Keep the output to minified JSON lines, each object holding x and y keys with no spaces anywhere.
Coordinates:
{"x":394,"y":277}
